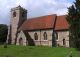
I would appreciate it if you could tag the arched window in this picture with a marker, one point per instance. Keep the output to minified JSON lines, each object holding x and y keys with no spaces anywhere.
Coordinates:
{"x":64,"y":42}
{"x":45,"y":36}
{"x":35,"y":36}
{"x":55,"y":35}
{"x":14,"y":14}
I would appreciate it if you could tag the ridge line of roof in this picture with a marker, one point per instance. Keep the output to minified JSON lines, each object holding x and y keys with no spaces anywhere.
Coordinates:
{"x":46,"y":16}
{"x":43,"y":16}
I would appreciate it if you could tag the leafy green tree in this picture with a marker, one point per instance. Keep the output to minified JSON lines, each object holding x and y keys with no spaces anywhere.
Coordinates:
{"x":73,"y":19}
{"x":3,"y":33}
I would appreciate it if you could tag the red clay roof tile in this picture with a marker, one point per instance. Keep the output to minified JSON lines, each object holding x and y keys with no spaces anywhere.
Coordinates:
{"x":45,"y":22}
{"x":61,"y":23}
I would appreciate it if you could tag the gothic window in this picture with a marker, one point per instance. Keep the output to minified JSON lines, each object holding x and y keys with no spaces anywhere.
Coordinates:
{"x":45,"y":36}
{"x":35,"y":36}
{"x":14,"y":14}
{"x":55,"y":35}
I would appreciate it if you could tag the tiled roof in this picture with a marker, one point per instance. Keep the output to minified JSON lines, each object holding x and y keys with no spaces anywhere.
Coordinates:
{"x":45,"y":22}
{"x":61,"y":23}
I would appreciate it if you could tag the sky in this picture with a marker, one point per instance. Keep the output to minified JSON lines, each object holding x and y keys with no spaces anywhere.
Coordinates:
{"x":35,"y":8}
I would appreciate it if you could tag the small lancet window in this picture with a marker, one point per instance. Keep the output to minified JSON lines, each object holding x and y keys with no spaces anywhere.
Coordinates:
{"x":23,"y":14}
{"x":36,"y":36}
{"x":45,"y":36}
{"x":14,"y":14}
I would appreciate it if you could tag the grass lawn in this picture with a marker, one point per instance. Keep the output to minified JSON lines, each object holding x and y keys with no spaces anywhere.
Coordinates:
{"x":35,"y":51}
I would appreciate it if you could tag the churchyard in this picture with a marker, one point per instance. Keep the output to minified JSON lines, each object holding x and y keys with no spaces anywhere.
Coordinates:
{"x":37,"y":51}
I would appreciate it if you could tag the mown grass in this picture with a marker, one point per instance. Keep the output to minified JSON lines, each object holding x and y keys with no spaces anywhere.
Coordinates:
{"x":37,"y":51}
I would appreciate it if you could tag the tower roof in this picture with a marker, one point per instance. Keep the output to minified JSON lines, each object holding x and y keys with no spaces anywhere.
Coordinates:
{"x":18,"y":8}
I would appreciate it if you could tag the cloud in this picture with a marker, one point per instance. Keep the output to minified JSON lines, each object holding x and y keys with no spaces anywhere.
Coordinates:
{"x":35,"y":8}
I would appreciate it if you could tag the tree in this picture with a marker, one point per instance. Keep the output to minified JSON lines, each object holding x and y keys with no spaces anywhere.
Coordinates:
{"x":73,"y":19}
{"x":3,"y":33}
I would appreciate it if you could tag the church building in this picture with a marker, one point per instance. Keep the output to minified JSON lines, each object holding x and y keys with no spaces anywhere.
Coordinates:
{"x":49,"y":30}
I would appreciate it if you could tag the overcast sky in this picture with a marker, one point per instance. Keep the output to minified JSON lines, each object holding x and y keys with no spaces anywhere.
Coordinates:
{"x":35,"y":8}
